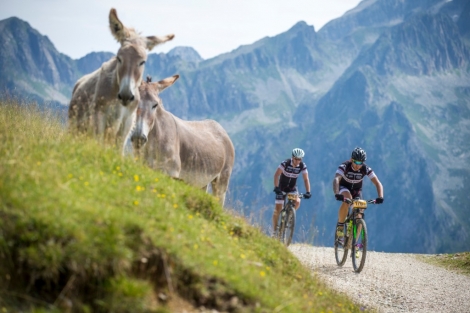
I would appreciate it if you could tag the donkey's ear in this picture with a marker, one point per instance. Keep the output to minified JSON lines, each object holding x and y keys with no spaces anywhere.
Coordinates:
{"x":167,"y":82}
{"x":152,"y":41}
{"x":119,"y":31}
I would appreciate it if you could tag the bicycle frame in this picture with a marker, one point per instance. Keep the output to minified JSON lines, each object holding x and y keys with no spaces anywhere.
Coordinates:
{"x":356,"y":207}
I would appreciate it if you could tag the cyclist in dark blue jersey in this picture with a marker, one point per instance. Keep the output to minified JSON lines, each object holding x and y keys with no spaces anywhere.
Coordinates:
{"x":285,"y":180}
{"x":348,"y":184}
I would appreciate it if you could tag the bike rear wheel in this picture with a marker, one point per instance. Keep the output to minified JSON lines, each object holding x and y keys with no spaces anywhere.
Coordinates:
{"x":341,"y":248}
{"x":359,"y":246}
{"x":286,"y":231}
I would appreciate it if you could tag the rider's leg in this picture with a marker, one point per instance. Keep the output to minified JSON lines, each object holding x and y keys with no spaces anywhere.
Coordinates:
{"x":297,"y":203}
{"x":342,"y":213}
{"x":343,"y":209}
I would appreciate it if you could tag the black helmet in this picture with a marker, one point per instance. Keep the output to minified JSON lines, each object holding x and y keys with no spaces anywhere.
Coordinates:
{"x":359,"y":154}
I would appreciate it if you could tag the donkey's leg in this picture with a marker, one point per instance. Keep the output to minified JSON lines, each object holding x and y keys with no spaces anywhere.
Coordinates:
{"x":224,"y":179}
{"x":217,"y":190}
{"x":128,"y":149}
{"x":220,"y":184}
{"x":100,"y":125}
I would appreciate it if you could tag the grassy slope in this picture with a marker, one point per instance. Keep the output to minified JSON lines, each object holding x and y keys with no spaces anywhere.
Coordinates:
{"x":458,"y":262}
{"x":82,"y":228}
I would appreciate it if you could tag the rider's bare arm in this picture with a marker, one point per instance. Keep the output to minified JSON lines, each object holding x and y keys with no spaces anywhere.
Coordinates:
{"x":306,"y":182}
{"x":336,"y":181}
{"x":378,"y":185}
{"x":277,"y":174}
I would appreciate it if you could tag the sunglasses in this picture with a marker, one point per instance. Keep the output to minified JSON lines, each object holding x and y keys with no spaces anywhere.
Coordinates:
{"x":357,"y":162}
{"x":298,"y":159}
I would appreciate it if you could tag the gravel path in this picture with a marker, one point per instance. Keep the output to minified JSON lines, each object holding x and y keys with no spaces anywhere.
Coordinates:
{"x":390,"y":282}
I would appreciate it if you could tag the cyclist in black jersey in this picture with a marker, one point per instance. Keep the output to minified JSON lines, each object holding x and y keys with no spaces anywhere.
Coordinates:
{"x":285,"y":180}
{"x":348,"y":184}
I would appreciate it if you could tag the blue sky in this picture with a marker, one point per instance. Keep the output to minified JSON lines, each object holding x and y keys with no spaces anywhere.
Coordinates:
{"x":212,"y":27}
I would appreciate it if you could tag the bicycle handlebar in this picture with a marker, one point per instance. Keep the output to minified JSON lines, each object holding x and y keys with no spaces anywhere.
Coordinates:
{"x":300,"y":195}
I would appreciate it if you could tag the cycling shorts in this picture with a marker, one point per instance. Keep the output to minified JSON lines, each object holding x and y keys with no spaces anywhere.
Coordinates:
{"x":354,"y":193}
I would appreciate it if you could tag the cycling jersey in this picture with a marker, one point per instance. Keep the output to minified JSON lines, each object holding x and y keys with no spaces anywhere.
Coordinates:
{"x":288,"y":179}
{"x":352,"y":179}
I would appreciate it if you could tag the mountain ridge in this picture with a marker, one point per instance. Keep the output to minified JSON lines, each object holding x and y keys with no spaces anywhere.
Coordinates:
{"x":395,"y":83}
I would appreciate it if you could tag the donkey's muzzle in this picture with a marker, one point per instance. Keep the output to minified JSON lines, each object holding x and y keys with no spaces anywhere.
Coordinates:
{"x":126,"y":97}
{"x":139,"y":140}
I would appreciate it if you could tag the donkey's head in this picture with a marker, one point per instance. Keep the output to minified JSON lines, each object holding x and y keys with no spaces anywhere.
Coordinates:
{"x":149,"y":109}
{"x":131,"y":57}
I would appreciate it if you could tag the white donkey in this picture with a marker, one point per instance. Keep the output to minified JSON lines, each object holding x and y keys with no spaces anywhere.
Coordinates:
{"x":198,"y":152}
{"x":104,"y":102}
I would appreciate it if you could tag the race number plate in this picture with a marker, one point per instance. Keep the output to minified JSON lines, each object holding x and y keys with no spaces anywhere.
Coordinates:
{"x":360,"y":204}
{"x":292,"y":196}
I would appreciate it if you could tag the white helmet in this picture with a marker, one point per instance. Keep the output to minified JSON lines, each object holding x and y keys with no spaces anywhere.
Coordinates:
{"x":298,"y":153}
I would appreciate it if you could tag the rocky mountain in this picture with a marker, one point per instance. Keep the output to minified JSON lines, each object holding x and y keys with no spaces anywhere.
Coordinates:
{"x":30,"y":64}
{"x":392,"y":76}
{"x":408,"y":105}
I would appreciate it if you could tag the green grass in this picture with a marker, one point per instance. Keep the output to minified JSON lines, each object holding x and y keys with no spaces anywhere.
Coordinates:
{"x":83,"y":229}
{"x":458,"y":262}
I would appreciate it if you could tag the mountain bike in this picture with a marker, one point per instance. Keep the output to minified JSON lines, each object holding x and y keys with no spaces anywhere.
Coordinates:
{"x":286,"y":224}
{"x":355,"y":235}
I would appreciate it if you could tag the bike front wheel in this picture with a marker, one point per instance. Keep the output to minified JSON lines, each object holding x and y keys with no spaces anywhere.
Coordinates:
{"x":359,"y":246}
{"x":286,"y":230}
